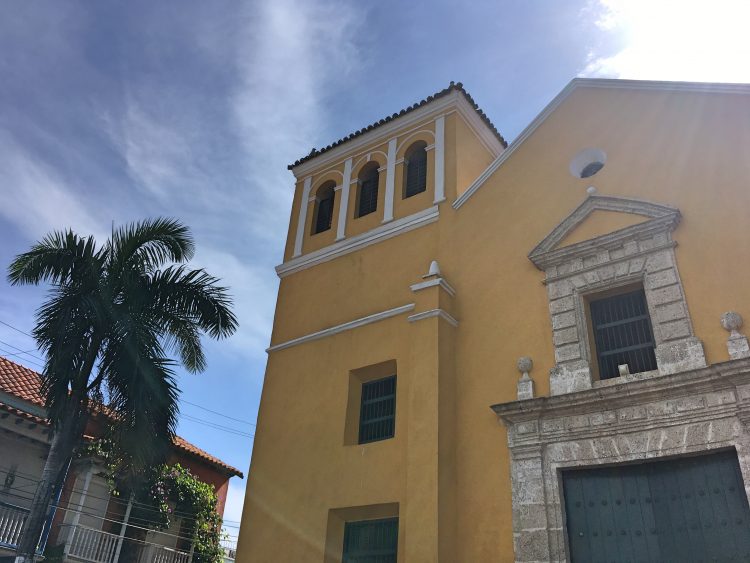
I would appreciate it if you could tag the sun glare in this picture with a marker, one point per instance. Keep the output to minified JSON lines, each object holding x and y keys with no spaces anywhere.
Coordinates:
{"x":676,"y":40}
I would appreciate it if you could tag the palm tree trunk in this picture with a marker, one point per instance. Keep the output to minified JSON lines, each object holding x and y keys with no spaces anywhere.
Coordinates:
{"x":64,"y":440}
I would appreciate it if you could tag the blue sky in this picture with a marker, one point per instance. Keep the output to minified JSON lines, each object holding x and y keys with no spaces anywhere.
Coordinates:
{"x":114,"y":111}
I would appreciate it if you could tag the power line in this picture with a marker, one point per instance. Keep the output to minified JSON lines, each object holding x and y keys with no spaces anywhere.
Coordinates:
{"x":25,"y":360}
{"x":218,"y":426}
{"x":22,"y":351}
{"x":34,"y":482}
{"x":16,"y":329}
{"x":218,"y":413}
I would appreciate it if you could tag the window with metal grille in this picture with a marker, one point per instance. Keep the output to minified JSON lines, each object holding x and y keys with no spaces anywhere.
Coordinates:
{"x":377,"y":411}
{"x":324,"y":209}
{"x":622,"y":333}
{"x":416,"y":169}
{"x":368,"y":190}
{"x":371,"y":541}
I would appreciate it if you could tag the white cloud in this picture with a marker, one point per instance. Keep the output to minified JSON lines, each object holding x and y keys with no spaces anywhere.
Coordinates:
{"x":291,"y":53}
{"x":674,"y":40}
{"x":37,"y":199}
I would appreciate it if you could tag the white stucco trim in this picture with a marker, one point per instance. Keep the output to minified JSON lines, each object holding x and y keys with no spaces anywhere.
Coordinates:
{"x":606,"y":83}
{"x":390,"y":180}
{"x":517,"y":142}
{"x":439,"y":159}
{"x":485,"y":135}
{"x":343,"y":327}
{"x":433,"y":282}
{"x":381,"y":233}
{"x":433,"y":313}
{"x":344,"y":202}
{"x":302,"y":216}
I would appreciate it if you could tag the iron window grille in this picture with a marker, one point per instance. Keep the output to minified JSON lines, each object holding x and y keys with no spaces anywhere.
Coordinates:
{"x":377,"y":411}
{"x":416,"y":172}
{"x":371,"y":541}
{"x":623,"y":334}
{"x":368,"y":192}
{"x":324,"y":217}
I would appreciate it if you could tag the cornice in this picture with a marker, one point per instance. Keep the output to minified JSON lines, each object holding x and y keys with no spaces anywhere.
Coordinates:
{"x":379,"y":134}
{"x":348,"y":245}
{"x":635,"y":392}
{"x":609,"y":241}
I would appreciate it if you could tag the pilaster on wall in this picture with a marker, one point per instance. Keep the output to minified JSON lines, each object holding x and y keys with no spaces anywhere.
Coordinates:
{"x":344,"y":203}
{"x":439,"y":159}
{"x":431,"y":479}
{"x":302,"y":217}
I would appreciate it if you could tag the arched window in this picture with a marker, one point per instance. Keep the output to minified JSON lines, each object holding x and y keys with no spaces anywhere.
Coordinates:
{"x":415,"y":166}
{"x":323,"y":215}
{"x":367,"y":199}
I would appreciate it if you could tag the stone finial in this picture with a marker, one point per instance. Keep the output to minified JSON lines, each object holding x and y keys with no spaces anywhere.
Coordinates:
{"x":525,"y":388}
{"x":591,"y":190}
{"x":732,"y":322}
{"x":434,"y":270}
{"x":737,"y":343}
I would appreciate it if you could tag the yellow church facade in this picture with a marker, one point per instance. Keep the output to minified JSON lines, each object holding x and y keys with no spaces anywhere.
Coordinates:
{"x":523,"y":352}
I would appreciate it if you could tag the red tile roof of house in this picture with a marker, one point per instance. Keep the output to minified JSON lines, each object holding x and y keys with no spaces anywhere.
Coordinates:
{"x":25,"y":384}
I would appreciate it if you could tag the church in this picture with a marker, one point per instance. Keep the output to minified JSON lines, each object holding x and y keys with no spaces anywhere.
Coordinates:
{"x":524,"y":352}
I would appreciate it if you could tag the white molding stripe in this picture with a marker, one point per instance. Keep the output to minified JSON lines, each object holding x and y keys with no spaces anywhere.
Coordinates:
{"x":517,"y":142}
{"x":433,"y":313}
{"x":433,"y":282}
{"x":343,"y":327}
{"x":608,"y":83}
{"x":378,"y":234}
{"x":480,"y":128}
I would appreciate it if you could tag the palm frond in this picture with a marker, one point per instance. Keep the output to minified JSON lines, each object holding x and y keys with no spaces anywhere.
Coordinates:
{"x":194,"y":295}
{"x":54,"y":259}
{"x":149,"y":244}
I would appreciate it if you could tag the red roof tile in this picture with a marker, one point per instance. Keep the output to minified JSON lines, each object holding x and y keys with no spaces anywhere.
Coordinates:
{"x":457,"y":86}
{"x":25,"y":384}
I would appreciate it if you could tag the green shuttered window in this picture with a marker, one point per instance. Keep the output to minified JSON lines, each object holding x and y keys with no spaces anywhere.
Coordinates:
{"x":377,"y":413}
{"x":371,"y":541}
{"x":416,"y":170}
{"x":368,"y":191}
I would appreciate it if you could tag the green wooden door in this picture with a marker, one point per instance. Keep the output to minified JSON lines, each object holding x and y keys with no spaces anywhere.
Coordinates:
{"x":691,"y":509}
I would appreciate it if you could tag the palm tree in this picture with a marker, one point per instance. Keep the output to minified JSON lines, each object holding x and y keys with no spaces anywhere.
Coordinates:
{"x":113,"y":317}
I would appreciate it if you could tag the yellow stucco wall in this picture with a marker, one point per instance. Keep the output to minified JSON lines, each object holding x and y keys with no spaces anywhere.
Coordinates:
{"x":448,"y":466}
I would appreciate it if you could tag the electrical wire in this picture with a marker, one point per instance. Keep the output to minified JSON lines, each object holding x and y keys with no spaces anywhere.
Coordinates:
{"x":34,"y":482}
{"x":218,"y":413}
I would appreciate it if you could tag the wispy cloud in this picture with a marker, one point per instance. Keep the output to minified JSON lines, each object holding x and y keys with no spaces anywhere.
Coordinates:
{"x":672,"y":40}
{"x":292,"y":54}
{"x":38,"y":199}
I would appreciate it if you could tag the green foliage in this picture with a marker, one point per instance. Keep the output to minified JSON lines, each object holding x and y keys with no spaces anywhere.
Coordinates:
{"x":175,"y":492}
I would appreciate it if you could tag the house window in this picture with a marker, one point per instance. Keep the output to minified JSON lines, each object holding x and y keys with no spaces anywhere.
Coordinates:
{"x":323,"y":215}
{"x":371,"y":541}
{"x":415,"y":163}
{"x":622,"y":332}
{"x":377,"y":412}
{"x":367,"y":201}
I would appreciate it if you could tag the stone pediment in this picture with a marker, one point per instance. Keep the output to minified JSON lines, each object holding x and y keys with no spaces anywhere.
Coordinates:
{"x":553,"y":249}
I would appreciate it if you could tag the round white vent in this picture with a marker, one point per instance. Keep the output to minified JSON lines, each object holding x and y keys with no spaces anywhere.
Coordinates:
{"x":587,"y":163}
